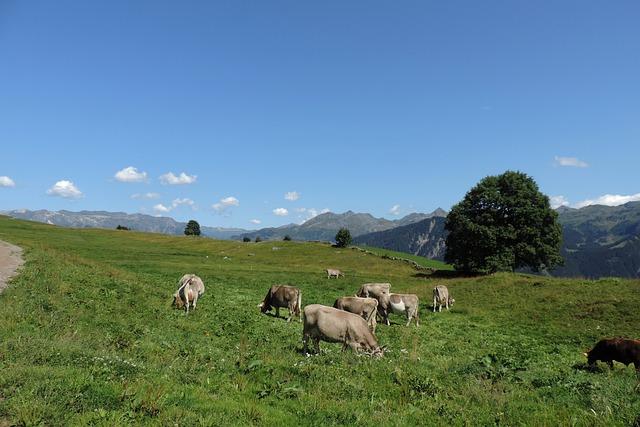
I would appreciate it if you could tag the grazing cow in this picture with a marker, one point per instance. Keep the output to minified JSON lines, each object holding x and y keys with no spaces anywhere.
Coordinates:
{"x":186,"y":296}
{"x":407,"y":304}
{"x":282,"y":296}
{"x":379,"y":291}
{"x":363,"y":307}
{"x":332,"y":325}
{"x":194,"y":281}
{"x":441,"y":297}
{"x":616,"y":349}
{"x":332,"y":272}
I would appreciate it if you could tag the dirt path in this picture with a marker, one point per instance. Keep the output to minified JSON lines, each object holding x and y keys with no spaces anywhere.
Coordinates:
{"x":10,"y":260}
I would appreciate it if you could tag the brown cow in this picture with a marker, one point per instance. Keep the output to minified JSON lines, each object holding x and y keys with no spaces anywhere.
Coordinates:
{"x":186,"y":296}
{"x":333,"y":272}
{"x":283,"y":296}
{"x":407,"y":304}
{"x":194,"y":281}
{"x":616,"y":349}
{"x":441,"y":297}
{"x":332,"y":325}
{"x":379,"y":291}
{"x":363,"y":307}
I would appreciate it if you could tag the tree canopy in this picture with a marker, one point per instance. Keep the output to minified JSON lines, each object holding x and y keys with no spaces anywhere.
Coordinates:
{"x":192,"y":228}
{"x":343,"y":238}
{"x":503,"y":223}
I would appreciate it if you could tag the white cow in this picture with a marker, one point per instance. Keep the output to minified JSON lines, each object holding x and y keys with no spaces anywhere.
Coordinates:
{"x":441,"y":297}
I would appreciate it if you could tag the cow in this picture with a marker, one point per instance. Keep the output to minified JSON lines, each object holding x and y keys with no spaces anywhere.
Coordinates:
{"x":322,"y":323}
{"x":363,"y":307}
{"x":332,"y":272}
{"x":407,"y":304}
{"x":379,"y":291}
{"x":621,"y":350}
{"x":186,"y":296}
{"x":283,"y":296}
{"x":194,"y":281}
{"x":441,"y":297}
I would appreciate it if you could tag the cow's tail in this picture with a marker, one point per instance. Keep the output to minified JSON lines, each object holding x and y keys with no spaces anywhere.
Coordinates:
{"x":299,"y":305}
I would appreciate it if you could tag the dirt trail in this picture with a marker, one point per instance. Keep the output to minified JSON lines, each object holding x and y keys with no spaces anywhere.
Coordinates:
{"x":10,"y":260}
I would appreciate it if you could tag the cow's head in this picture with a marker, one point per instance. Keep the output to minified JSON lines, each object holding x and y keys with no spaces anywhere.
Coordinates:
{"x":451,"y":301}
{"x":378,"y":351}
{"x":177,"y":301}
{"x":264,"y":307}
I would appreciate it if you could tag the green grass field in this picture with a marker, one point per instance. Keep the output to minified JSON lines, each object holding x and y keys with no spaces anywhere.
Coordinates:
{"x":422,"y":261}
{"x":88,"y":337}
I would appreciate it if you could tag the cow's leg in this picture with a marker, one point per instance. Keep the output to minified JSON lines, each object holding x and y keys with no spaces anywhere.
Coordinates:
{"x":409,"y":315}
{"x":305,"y":341}
{"x":316,"y":344}
{"x":434,"y":304}
{"x":290,"y":313}
{"x":417,"y":316}
{"x":439,"y":308}
{"x":277,"y":311}
{"x":447,"y":304}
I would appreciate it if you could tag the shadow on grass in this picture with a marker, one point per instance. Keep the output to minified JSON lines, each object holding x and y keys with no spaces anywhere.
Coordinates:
{"x":442,"y":274}
{"x":584,"y":366}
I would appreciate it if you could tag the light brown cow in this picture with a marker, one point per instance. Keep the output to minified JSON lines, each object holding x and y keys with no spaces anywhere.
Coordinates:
{"x":186,"y":296}
{"x":332,"y":272}
{"x":441,"y":297}
{"x":363,"y":307}
{"x":194,"y":281}
{"x":332,"y":325}
{"x":283,"y":296}
{"x":407,"y":304}
{"x":379,"y":291}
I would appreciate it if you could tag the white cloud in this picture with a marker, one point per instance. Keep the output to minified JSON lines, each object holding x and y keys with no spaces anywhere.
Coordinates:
{"x":226,"y":203}
{"x":176,"y":202}
{"x":145,"y":196}
{"x":301,"y":210}
{"x":161,"y":208}
{"x":130,"y":174}
{"x":292,"y":196}
{"x":395,"y":210}
{"x":5,"y":181}
{"x":609,"y":200}
{"x":65,"y":189}
{"x":255,"y":221}
{"x":570,"y":162}
{"x":183,"y":178}
{"x":280,"y":212}
{"x":557,"y":201}
{"x":185,"y":201}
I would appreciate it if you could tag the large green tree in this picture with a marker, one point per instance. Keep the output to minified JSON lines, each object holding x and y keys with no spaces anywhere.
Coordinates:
{"x":503,"y":223}
{"x":343,"y":238}
{"x":192,"y":228}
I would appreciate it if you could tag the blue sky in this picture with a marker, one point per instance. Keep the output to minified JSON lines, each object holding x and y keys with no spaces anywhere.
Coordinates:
{"x":380,"y":107}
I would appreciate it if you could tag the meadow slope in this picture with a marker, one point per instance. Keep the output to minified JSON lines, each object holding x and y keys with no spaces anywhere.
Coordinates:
{"x":88,"y":337}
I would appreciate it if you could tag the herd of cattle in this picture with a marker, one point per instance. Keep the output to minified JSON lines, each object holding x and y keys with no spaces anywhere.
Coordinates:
{"x":352,"y":320}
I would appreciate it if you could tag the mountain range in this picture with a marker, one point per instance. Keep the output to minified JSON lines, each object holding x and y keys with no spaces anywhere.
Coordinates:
{"x":325,"y":226}
{"x":103,"y":219}
{"x":598,"y":241}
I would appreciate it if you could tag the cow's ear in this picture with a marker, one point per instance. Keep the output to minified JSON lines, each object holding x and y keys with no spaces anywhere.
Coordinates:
{"x":261,"y":304}
{"x":585,"y":354}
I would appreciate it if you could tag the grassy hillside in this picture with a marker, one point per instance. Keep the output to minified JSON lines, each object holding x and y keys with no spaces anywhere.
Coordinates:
{"x":87,"y":336}
{"x":420,"y":260}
